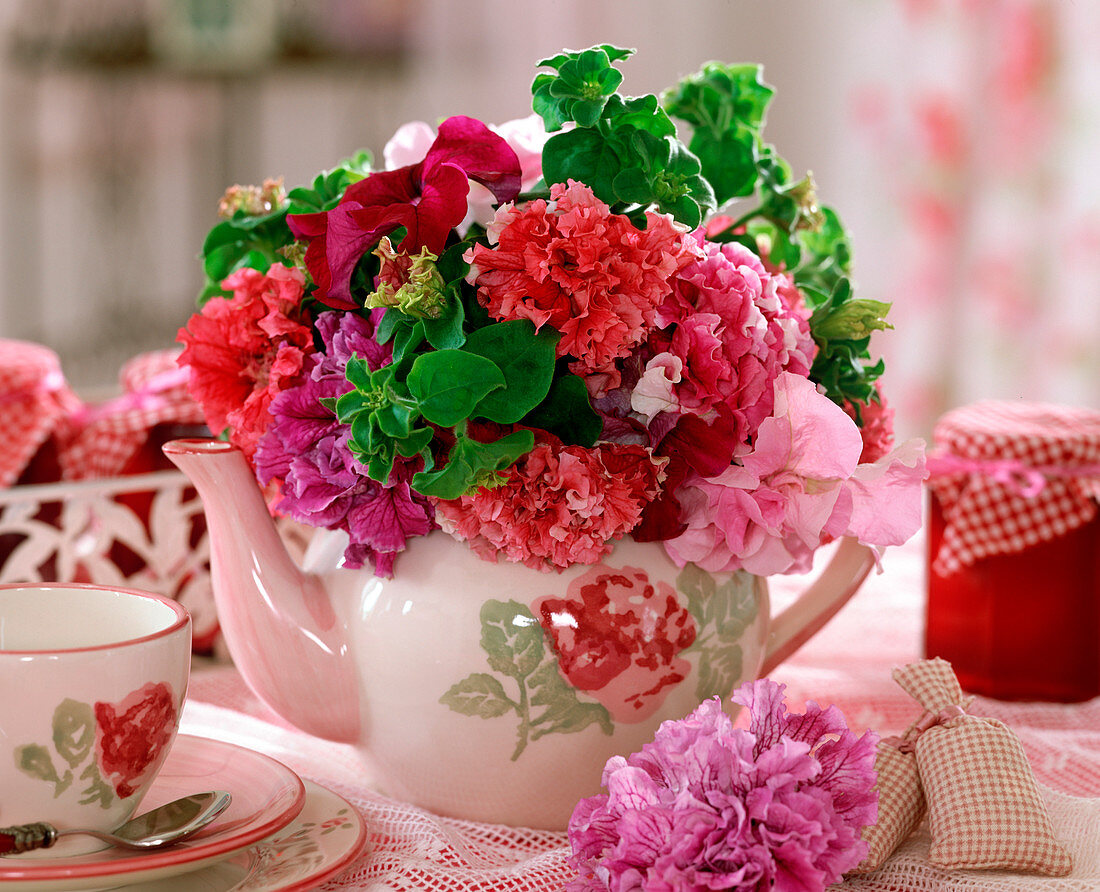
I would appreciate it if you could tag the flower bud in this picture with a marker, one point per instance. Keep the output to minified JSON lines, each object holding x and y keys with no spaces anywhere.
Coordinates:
{"x":410,"y":283}
{"x":852,"y":320}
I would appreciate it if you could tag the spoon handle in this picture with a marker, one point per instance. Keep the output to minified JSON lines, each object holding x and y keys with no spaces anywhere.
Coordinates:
{"x":25,"y":837}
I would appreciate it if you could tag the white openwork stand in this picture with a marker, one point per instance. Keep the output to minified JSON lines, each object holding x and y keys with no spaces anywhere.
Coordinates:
{"x":146,"y":531}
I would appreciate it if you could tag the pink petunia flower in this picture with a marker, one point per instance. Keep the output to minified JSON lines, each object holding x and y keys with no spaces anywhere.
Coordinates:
{"x":428,"y":199}
{"x":243,"y":351}
{"x":559,"y":507}
{"x":735,"y":330}
{"x":778,"y":806}
{"x":588,"y":273}
{"x":801,"y":486}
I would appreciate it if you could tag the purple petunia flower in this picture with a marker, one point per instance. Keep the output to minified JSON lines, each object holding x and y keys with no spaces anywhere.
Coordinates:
{"x":778,"y":806}
{"x":323,"y":484}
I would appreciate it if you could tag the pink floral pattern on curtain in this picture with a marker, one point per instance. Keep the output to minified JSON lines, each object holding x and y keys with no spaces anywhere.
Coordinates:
{"x":985,"y":135}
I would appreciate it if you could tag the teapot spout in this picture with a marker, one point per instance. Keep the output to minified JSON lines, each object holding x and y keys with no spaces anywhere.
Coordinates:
{"x":277,"y":620}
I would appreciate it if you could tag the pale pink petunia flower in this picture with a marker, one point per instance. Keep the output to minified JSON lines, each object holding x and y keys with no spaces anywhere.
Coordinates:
{"x":801,"y":486}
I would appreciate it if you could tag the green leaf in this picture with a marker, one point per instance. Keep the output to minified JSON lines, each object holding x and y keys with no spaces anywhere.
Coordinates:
{"x":638,"y":113}
{"x":358,"y":373}
{"x":663,"y":172}
{"x":586,"y":112}
{"x":562,"y":711}
{"x":239,"y":242}
{"x":408,"y":335}
{"x":479,"y":694}
{"x":728,"y":161}
{"x":329,"y":186}
{"x":471,"y":465}
{"x":719,"y":96}
{"x":446,"y":331}
{"x":388,"y":325}
{"x":416,"y":443}
{"x":726,"y":107}
{"x":583,"y":155}
{"x":526,"y":359}
{"x":633,"y":186}
{"x":579,"y":89}
{"x":720,"y":670}
{"x":546,"y":105}
{"x":73,"y":731}
{"x":395,"y":421}
{"x":511,"y":638}
{"x":567,"y":413}
{"x":448,"y":384}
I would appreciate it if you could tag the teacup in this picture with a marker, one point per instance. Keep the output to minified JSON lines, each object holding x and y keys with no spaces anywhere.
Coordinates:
{"x":92,"y":681}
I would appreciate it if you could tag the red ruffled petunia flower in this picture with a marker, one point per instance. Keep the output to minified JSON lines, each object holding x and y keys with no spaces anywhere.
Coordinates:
{"x":428,"y":199}
{"x":589,"y":273}
{"x":244,"y":350}
{"x":560,"y":506}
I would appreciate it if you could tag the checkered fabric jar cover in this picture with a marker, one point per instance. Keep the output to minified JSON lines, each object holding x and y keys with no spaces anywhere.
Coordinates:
{"x":154,"y":392}
{"x":984,"y":805}
{"x":1011,"y":475}
{"x":35,"y":404}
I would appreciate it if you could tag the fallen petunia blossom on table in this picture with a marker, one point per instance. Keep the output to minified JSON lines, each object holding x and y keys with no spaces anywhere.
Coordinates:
{"x":780,"y":805}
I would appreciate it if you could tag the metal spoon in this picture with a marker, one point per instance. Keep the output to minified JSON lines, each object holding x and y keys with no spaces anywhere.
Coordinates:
{"x":162,"y":826}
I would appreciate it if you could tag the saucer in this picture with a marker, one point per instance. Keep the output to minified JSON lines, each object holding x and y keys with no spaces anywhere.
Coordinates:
{"x":323,"y":840}
{"x":267,"y":796}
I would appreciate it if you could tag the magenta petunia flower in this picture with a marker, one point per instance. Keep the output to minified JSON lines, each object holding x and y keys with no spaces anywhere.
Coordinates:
{"x":428,"y":199}
{"x":778,"y":806}
{"x":322,"y":483}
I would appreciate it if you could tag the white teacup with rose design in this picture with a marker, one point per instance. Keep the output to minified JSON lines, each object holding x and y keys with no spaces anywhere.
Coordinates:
{"x":92,"y":681}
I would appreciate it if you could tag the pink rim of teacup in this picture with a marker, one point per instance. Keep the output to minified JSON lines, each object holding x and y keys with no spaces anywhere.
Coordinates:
{"x":182,"y":616}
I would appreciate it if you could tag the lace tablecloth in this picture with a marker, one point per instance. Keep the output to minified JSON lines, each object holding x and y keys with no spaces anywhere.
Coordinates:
{"x":848,"y":663}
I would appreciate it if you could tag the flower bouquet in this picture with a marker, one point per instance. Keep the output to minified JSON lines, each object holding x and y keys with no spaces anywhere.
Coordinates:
{"x":549,"y":335}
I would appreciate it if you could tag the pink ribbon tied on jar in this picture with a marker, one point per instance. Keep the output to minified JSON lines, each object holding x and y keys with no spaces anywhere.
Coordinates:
{"x":970,"y":776}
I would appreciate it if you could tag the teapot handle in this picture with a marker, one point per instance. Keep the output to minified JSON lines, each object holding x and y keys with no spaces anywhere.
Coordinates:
{"x":831,"y":590}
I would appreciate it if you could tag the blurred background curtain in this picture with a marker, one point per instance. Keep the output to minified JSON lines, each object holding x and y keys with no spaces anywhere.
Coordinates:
{"x":958,"y":140}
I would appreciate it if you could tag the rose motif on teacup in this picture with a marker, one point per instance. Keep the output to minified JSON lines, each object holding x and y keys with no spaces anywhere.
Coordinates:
{"x":133,"y":735}
{"x":618,"y":637}
{"x":108,"y":749}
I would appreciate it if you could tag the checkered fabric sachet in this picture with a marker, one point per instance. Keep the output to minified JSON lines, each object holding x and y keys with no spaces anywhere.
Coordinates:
{"x":35,"y":404}
{"x":154,"y":392}
{"x":901,"y":805}
{"x":984,"y":805}
{"x":1011,"y":475}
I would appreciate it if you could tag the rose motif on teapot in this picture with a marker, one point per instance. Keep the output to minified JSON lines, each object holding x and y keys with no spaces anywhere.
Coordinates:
{"x":614,"y":637}
{"x":617,"y":636}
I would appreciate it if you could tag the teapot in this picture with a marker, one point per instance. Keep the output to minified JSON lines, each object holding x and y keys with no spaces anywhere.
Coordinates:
{"x":486,"y":691}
